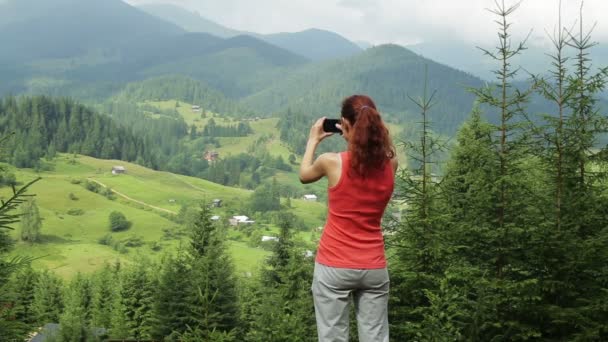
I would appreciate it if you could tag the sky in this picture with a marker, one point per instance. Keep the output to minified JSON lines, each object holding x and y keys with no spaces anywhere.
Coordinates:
{"x":402,"y":22}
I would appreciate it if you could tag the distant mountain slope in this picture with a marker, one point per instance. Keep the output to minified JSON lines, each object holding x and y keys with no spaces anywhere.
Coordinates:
{"x":90,"y":49}
{"x":37,"y":29}
{"x":467,"y":57}
{"x":314,"y":44}
{"x":189,"y":21}
{"x":389,"y":73}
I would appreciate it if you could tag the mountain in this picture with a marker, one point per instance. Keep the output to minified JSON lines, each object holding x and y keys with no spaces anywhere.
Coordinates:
{"x":90,"y":48}
{"x":467,"y":57}
{"x":388,"y":73}
{"x":189,"y":21}
{"x":314,"y":44}
{"x":39,"y":29}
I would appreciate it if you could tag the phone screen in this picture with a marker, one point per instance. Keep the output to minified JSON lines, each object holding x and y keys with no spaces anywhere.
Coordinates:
{"x":329,"y":125}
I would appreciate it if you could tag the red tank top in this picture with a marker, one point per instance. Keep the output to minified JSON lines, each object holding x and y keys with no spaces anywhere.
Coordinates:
{"x":352,"y":237}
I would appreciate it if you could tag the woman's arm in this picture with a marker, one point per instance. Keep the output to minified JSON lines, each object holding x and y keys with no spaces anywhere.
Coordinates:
{"x":312,"y":171}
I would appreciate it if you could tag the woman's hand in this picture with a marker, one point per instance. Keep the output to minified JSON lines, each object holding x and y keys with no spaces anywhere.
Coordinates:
{"x":316,"y":131}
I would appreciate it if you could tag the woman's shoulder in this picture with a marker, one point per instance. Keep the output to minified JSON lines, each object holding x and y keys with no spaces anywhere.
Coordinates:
{"x":331,"y":157}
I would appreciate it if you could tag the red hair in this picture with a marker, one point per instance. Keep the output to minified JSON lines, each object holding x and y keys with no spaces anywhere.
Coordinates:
{"x":369,"y":144}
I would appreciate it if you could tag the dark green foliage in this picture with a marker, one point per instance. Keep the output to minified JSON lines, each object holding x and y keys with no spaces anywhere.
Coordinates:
{"x":40,"y":121}
{"x":118,"y":221}
{"x":30,"y":221}
{"x":265,"y":198}
{"x":214,"y":300}
{"x":104,"y":297}
{"x":280,"y":307}
{"x":11,"y":327}
{"x":214,"y":130}
{"x":180,"y":88}
{"x":172,"y":312}
{"x":48,"y":298}
{"x":133,"y":311}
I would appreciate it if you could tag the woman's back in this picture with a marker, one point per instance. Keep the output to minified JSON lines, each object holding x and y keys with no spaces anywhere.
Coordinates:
{"x":352,"y":237}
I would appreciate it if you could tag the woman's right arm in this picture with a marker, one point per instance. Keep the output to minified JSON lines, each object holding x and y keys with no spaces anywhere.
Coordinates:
{"x":312,"y":171}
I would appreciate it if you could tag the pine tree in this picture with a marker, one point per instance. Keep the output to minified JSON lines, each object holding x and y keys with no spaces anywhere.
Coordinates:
{"x":418,"y":238}
{"x":133,"y":312}
{"x":11,"y":328}
{"x":73,"y":325}
{"x":48,"y":298}
{"x":104,"y":297}
{"x":172,"y":311}
{"x":281,"y":308}
{"x":214,"y":302}
{"x":30,"y":221}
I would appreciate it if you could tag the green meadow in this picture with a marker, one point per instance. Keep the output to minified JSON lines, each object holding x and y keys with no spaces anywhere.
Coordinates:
{"x":70,"y":242}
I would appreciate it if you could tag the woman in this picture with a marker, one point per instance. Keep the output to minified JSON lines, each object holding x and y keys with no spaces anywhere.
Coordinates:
{"x":350,"y":258}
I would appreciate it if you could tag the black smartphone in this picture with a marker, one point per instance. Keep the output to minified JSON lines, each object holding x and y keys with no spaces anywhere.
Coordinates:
{"x":329,"y":125}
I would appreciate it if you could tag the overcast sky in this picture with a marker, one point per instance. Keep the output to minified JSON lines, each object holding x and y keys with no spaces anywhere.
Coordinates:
{"x":395,"y":21}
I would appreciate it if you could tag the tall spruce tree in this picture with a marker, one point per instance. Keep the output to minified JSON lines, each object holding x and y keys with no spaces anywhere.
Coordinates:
{"x":10,"y":327}
{"x":281,"y":308}
{"x":48,"y":298}
{"x":417,"y":240}
{"x":491,"y":208}
{"x":213,"y":297}
{"x":172,"y":311}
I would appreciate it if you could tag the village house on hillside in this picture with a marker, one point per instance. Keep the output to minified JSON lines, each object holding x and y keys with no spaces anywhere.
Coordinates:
{"x":196,"y":108}
{"x":310,"y":197}
{"x":211,"y":156}
{"x":240,"y":219}
{"x":118,"y":169}
{"x":269,"y":238}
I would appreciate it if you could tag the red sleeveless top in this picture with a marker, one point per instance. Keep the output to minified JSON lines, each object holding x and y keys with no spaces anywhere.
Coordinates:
{"x":352,"y":237}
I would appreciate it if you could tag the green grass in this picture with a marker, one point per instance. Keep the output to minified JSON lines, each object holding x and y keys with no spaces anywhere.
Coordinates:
{"x":69,"y":244}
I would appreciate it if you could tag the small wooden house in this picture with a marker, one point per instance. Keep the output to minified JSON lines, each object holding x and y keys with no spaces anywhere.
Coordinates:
{"x":118,"y":169}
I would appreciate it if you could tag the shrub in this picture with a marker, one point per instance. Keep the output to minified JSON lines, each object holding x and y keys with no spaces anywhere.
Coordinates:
{"x":118,"y":221}
{"x":75,"y":212}
{"x":92,"y":186}
{"x":72,"y":197}
{"x":133,"y":241}
{"x":106,"y":240}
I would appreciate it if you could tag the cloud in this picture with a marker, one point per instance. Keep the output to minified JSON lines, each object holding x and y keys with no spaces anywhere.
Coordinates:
{"x":397,"y":21}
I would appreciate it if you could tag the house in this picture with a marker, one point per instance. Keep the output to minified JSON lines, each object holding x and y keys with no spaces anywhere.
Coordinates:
{"x":196,"y":108}
{"x":240,"y":219}
{"x":211,"y":156}
{"x":269,"y":238}
{"x":171,"y":200}
{"x":310,"y":197}
{"x":215,"y":218}
{"x":118,"y":169}
{"x":309,"y":254}
{"x":217,"y":203}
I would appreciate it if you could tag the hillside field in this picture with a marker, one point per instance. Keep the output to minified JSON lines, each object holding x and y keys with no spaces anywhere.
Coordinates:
{"x":70,"y":242}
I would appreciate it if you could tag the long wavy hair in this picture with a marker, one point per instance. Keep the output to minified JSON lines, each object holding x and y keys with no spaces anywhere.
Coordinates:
{"x":370,"y":144}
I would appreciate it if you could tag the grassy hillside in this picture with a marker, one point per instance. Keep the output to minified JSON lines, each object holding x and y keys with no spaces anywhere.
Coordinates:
{"x":70,"y":243}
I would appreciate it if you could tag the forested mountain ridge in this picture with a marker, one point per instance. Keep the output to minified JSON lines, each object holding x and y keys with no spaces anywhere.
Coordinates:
{"x":242,"y":75}
{"x":314,"y":44}
{"x":388,"y":73}
{"x":38,"y":29}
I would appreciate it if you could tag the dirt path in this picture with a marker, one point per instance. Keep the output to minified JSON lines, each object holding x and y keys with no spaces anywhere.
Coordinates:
{"x":132,"y":199}
{"x":189,"y":184}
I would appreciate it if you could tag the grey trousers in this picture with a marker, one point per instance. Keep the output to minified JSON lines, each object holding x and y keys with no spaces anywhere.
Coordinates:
{"x":332,"y":288}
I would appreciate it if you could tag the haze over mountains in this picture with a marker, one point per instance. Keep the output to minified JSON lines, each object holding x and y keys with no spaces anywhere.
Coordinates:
{"x":92,"y":49}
